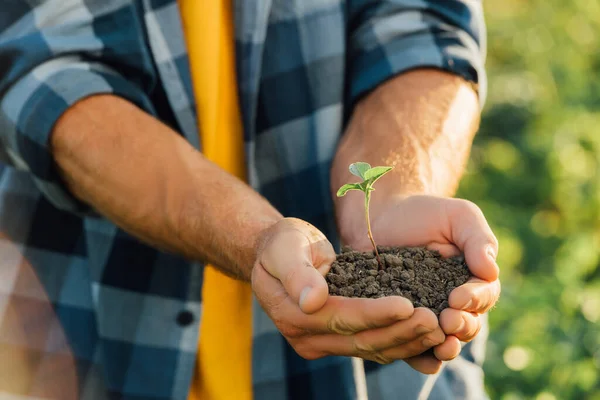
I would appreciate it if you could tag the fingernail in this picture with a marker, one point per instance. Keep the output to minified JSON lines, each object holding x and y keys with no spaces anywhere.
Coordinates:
{"x":421,"y":330}
{"x":303,"y":295}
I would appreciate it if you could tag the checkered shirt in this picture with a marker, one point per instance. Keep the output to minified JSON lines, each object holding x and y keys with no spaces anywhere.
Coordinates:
{"x":89,"y":312}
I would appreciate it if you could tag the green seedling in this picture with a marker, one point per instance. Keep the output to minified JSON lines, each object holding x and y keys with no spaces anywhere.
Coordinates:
{"x":369,"y":175}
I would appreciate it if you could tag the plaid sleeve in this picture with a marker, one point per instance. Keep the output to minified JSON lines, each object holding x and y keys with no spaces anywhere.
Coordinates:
{"x":29,"y":110}
{"x":389,"y":37}
{"x":52,"y":54}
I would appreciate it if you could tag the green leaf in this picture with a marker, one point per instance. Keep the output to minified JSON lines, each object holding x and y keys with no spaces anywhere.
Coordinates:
{"x":365,"y":186}
{"x":347,"y":187}
{"x":359,"y":169}
{"x":376,"y":173}
{"x":372,"y":175}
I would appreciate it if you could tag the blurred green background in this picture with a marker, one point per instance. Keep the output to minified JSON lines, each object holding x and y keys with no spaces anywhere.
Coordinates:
{"x":534,"y":172}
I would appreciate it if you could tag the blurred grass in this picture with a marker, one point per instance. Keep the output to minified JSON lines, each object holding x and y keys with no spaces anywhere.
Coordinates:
{"x":534,"y":171}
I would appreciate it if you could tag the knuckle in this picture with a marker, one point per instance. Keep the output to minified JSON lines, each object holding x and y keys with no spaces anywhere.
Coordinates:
{"x":465,"y":330}
{"x":498,"y":290}
{"x":402,"y":312}
{"x":470,"y":207}
{"x":491,"y":239}
{"x":325,"y":250}
{"x":473,"y":330}
{"x":468,"y":338}
{"x":429,"y":342}
{"x":363,"y":349}
{"x":381,"y":359}
{"x":438,"y":337}
{"x":490,"y":299}
{"x":415,"y":348}
{"x":307,"y":352}
{"x":425,"y":317}
{"x":477,"y":329}
{"x":487,"y":303}
{"x":493,"y":294}
{"x":335,"y":324}
{"x":470,"y":328}
{"x":477,"y":303}
{"x":329,"y":258}
{"x":398,"y":340}
{"x":494,"y":241}
{"x":289,"y":331}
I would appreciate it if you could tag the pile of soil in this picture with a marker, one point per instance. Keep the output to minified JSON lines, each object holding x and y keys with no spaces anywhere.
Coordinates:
{"x":420,"y":275}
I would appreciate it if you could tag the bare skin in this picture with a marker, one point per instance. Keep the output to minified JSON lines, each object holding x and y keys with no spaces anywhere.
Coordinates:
{"x":423,"y":123}
{"x":158,"y":188}
{"x":151,"y":182}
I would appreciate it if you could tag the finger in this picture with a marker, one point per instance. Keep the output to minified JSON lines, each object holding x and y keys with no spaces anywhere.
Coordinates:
{"x":448,"y":350}
{"x":340,"y":315}
{"x":476,"y":296}
{"x":339,"y":345}
{"x":290,"y":258}
{"x":412,"y":348}
{"x":422,"y":322}
{"x":348,"y":316}
{"x":471,"y":233}
{"x":446,"y":250}
{"x":464,"y":325}
{"x":425,"y":363}
{"x":323,"y":255}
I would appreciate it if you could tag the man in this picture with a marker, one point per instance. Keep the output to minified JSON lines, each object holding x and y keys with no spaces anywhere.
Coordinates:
{"x":114,"y":208}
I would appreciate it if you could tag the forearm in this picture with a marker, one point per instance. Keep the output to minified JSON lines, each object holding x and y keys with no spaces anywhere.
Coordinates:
{"x":148,"y":180}
{"x":422,"y":123}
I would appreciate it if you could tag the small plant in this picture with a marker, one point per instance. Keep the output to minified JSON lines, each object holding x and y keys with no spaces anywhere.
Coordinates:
{"x":369,"y":175}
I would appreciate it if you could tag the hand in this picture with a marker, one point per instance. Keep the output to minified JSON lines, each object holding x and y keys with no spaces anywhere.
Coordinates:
{"x":288,"y":280}
{"x":451,"y":226}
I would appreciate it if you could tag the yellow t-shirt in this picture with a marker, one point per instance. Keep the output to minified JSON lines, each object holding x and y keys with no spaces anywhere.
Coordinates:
{"x":223,"y":369}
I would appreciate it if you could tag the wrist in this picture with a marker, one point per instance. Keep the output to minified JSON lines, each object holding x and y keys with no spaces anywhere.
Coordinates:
{"x":422,"y":123}
{"x":221,"y":221}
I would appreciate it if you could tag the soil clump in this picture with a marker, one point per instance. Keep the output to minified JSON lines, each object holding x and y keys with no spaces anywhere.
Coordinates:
{"x":420,"y":275}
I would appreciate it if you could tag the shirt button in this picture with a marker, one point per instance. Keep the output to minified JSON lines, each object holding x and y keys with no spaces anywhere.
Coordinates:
{"x":185,"y":318}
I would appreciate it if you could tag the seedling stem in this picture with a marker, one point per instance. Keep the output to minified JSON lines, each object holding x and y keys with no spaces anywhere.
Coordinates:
{"x":369,"y":176}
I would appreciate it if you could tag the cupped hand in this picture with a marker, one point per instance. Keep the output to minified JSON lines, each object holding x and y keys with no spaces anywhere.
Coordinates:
{"x":288,"y":280}
{"x":451,"y":226}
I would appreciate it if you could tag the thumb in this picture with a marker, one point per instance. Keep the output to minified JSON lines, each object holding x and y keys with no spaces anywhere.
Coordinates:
{"x":299,"y":256}
{"x":472,"y":234}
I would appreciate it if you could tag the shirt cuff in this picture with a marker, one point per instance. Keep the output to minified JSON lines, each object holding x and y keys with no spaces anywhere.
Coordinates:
{"x":453,"y":51}
{"x":31,"y":108}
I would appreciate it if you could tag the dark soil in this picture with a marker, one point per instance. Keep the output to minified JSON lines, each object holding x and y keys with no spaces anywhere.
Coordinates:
{"x":420,"y":275}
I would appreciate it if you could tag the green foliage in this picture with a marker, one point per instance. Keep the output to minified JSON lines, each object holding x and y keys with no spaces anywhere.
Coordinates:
{"x":534,"y":172}
{"x":373,"y":174}
{"x":348,"y":187}
{"x":359,"y":169}
{"x":369,"y":176}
